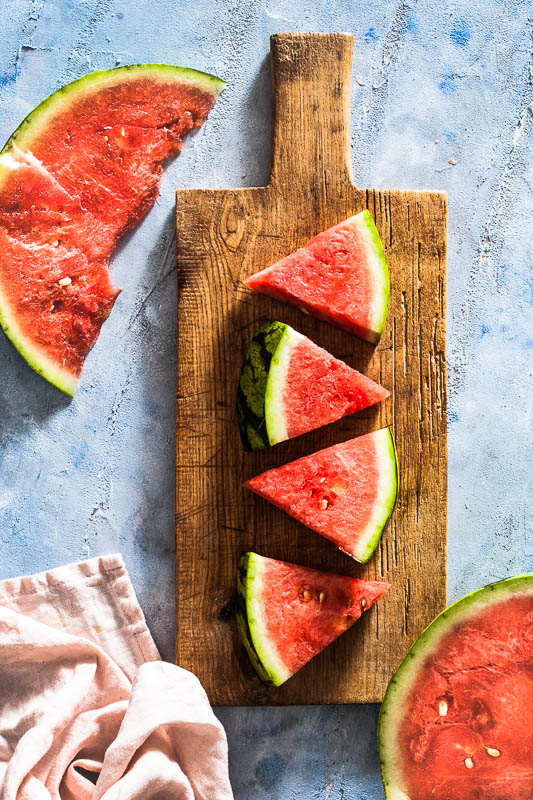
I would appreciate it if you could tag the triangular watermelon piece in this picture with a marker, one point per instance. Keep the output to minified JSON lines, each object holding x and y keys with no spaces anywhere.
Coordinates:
{"x":346,"y":492}
{"x":289,"y":385}
{"x":287,"y":613}
{"x":340,"y":276}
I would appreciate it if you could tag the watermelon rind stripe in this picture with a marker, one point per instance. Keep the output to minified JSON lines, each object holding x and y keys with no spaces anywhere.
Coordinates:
{"x":377,"y":264}
{"x":251,"y":622}
{"x":387,"y":493}
{"x":27,"y":132}
{"x":253,"y":380}
{"x":275,"y":418}
{"x":391,"y":713}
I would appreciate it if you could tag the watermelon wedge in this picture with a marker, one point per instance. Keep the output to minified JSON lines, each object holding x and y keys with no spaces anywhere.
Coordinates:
{"x":289,"y":386}
{"x":457,"y":719}
{"x":81,"y":170}
{"x":340,"y":276}
{"x":346,"y":492}
{"x":287,"y":614}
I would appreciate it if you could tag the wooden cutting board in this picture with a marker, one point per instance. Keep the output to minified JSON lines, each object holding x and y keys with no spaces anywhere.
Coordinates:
{"x":225,"y":235}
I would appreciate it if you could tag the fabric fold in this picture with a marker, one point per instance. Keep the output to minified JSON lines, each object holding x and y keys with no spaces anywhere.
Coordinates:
{"x":85,"y":700}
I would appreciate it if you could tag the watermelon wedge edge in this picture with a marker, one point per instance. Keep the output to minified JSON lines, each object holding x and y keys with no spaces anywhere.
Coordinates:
{"x":250,"y":622}
{"x":386,"y":496}
{"x":379,"y":268}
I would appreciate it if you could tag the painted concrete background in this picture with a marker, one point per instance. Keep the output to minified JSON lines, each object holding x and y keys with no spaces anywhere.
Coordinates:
{"x":440,"y":100}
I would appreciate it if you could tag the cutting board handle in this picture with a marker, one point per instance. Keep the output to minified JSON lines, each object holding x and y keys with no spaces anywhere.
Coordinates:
{"x":311,"y":87}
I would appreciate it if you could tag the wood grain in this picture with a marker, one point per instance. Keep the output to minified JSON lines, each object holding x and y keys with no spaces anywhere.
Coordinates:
{"x":225,"y":235}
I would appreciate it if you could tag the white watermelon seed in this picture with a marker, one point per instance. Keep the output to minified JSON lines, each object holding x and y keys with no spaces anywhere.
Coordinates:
{"x":122,"y":132}
{"x":324,"y":504}
{"x":306,"y":595}
{"x":363,"y":603}
{"x":65,"y":281}
{"x":321,"y":597}
{"x":55,"y":242}
{"x":443,"y":708}
{"x":469,"y":763}
{"x":492,"y":751}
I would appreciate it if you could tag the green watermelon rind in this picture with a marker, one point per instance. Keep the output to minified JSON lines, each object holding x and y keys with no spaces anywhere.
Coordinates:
{"x":386,"y":499}
{"x":401,"y":682}
{"x":380,"y":271}
{"x":22,"y":139}
{"x":250,"y":623}
{"x":253,"y":381}
{"x":41,"y":364}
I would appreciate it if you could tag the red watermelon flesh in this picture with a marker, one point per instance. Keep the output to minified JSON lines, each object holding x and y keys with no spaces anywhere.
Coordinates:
{"x":339,"y":276}
{"x":79,"y":172}
{"x":345,"y":492}
{"x":289,"y":613}
{"x":32,"y":203}
{"x":111,"y":158}
{"x":464,"y":729}
{"x":338,"y":390}
{"x":66,"y":320}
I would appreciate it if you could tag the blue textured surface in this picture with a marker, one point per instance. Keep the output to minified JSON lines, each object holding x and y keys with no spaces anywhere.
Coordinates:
{"x":440,"y":101}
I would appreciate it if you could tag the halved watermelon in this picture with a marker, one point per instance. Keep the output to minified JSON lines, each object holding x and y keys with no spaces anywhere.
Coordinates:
{"x":340,"y":276}
{"x":81,"y":170}
{"x":457,"y":719}
{"x":289,"y":386}
{"x":346,"y":492}
{"x":287,"y":613}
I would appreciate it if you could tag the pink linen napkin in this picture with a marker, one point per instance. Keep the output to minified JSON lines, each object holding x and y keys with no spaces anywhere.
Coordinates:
{"x":83,"y":694}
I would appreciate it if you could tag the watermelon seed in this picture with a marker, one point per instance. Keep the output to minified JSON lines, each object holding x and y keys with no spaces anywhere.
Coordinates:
{"x":122,"y":132}
{"x":443,"y":708}
{"x":321,"y":597}
{"x":306,"y":595}
{"x":363,"y":604}
{"x":492,"y":751}
{"x":55,"y":242}
{"x":52,"y":307}
{"x":324,"y":504}
{"x":106,"y":138}
{"x":469,"y":763}
{"x":65,"y":281}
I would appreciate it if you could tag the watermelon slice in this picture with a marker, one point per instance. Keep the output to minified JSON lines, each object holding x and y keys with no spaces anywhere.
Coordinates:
{"x":457,"y":719}
{"x":289,"y":386}
{"x":287,"y":614}
{"x":81,"y":170}
{"x":340,"y":276}
{"x":345,"y":492}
